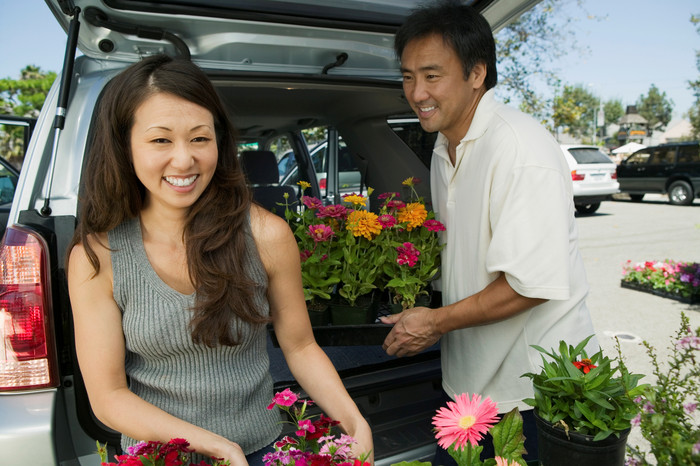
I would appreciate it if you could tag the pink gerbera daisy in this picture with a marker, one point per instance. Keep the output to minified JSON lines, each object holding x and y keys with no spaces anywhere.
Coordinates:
{"x":464,"y":420}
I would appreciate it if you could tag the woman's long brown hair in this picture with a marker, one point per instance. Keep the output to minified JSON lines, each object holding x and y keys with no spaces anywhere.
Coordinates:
{"x":216,"y":225}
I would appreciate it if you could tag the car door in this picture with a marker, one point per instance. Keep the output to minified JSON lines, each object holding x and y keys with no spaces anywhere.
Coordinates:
{"x":633,"y":171}
{"x":660,"y":166}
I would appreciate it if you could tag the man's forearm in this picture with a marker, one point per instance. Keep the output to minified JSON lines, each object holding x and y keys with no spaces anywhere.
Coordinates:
{"x":498,"y":301}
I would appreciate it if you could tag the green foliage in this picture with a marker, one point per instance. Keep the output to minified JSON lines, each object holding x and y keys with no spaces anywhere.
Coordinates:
{"x":655,"y":107}
{"x":613,"y":111}
{"x":590,"y":400}
{"x":22,"y":97}
{"x":508,"y":438}
{"x":25,"y":96}
{"x":668,"y":416}
{"x":321,"y":266}
{"x":574,"y":110}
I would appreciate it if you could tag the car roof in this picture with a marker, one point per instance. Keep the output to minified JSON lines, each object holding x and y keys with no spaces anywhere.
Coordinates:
{"x":303,"y":36}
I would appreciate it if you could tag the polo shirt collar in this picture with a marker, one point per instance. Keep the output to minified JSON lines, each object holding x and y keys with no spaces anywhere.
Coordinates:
{"x":480,"y":123}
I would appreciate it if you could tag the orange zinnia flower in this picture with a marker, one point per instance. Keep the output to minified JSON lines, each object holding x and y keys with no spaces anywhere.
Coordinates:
{"x":585,"y":365}
{"x":414,"y":214}
{"x":363,"y":223}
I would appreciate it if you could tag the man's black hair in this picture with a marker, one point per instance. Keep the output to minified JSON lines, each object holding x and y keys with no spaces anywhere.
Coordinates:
{"x":461,"y":27}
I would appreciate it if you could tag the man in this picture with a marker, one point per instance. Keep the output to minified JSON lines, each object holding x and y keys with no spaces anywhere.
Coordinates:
{"x":512,"y":275}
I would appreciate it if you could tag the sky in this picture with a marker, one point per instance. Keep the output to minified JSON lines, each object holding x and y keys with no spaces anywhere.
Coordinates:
{"x":631,"y":44}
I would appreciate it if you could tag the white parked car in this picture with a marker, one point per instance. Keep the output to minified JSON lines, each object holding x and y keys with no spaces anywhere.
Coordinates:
{"x":593,"y":175}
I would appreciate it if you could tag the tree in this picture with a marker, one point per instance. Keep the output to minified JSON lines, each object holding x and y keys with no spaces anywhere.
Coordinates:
{"x":25,"y":96}
{"x":694,"y":112}
{"x":22,"y":97}
{"x":574,"y":110}
{"x":613,"y":111}
{"x":526,"y":51}
{"x":655,"y":107}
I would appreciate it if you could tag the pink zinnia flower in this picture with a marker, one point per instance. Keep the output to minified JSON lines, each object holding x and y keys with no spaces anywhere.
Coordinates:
{"x":387,"y":221}
{"x":464,"y":421}
{"x":320,"y":232}
{"x":395,"y":204}
{"x":408,"y":254}
{"x":434,"y":225}
{"x":388,"y":195}
{"x":332,"y":211}
{"x":312,"y":202}
{"x":284,"y":398}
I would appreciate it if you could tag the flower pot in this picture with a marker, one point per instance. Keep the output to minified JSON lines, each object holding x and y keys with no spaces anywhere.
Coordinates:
{"x":319,"y":313}
{"x":556,"y":448}
{"x":363,"y":312}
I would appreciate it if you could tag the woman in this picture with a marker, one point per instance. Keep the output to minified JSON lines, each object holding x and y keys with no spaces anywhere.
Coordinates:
{"x":173,"y":274}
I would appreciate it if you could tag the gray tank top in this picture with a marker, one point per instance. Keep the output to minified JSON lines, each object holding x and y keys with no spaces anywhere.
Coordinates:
{"x":223,"y":389}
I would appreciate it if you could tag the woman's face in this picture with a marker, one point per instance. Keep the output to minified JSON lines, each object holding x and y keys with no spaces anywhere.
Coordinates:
{"x":173,"y":149}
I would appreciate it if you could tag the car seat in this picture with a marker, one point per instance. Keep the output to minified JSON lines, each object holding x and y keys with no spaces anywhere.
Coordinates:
{"x":260,"y":168}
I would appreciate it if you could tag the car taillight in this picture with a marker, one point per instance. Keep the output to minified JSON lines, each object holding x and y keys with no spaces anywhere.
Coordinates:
{"x":577,"y":176}
{"x":613,"y":175}
{"x":27,"y":353}
{"x":322,"y":183}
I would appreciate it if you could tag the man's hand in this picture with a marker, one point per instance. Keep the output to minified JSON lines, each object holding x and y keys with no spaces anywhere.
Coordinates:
{"x":414,"y":330}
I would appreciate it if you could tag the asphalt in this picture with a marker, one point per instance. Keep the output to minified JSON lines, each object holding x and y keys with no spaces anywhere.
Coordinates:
{"x":623,"y":230}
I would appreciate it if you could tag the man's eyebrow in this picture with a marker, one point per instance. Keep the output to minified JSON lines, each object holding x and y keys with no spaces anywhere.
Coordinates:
{"x":423,"y":68}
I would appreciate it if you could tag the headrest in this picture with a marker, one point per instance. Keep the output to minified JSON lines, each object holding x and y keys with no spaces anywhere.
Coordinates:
{"x":260,"y":166}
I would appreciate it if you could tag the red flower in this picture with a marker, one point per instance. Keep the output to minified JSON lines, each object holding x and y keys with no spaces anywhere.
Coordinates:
{"x":585,"y":365}
{"x":434,"y":225}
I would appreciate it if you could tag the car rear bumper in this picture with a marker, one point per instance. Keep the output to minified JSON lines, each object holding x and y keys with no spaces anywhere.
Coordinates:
{"x":592,"y":199}
{"x":26,"y":430}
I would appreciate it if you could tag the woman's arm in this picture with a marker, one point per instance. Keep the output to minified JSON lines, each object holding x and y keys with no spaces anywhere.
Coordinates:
{"x":307,"y":361}
{"x":99,"y":341}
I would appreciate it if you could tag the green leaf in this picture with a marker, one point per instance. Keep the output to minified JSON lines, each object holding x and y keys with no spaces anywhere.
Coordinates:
{"x":508,"y":438}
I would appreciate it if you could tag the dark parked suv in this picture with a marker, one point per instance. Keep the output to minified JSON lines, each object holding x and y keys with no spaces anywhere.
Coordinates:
{"x":281,"y":69}
{"x":668,"y":168}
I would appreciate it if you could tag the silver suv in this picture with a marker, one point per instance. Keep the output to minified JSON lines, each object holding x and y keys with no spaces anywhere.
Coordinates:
{"x":280,"y":68}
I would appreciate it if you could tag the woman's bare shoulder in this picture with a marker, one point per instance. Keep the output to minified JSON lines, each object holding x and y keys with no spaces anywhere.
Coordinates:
{"x":79,"y":258}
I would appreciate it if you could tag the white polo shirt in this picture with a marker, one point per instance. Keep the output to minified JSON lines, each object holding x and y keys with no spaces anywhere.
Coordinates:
{"x":507,"y":205}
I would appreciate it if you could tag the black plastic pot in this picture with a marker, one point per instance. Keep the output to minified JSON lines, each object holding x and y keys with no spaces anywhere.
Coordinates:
{"x":556,"y":448}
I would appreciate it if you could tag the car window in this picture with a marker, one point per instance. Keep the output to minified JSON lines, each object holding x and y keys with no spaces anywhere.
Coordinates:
{"x":662,"y":155}
{"x":586,"y":155}
{"x":689,"y":154}
{"x":414,"y":136}
{"x":638,"y":158}
{"x":8,"y":183}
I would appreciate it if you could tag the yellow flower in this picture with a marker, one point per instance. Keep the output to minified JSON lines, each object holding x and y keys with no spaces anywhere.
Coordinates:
{"x":411,"y":181}
{"x":304,"y":184}
{"x":356,"y":199}
{"x":370,"y":190}
{"x":363,"y":223}
{"x":414,"y":214}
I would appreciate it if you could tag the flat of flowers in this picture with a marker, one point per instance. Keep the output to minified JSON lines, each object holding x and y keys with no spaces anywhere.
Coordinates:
{"x":346,"y":335}
{"x":693,"y":299}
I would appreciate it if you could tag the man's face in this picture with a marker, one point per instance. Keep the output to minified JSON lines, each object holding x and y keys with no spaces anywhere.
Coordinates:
{"x":434,"y":84}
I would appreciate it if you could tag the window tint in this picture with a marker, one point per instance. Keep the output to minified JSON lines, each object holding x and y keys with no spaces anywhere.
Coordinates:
{"x":8,"y":183}
{"x":663,"y":155}
{"x":411,"y":133}
{"x":638,"y":158}
{"x":689,"y":154}
{"x":589,"y":155}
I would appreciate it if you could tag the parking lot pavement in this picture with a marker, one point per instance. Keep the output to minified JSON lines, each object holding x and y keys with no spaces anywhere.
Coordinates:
{"x":622,"y":230}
